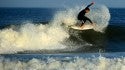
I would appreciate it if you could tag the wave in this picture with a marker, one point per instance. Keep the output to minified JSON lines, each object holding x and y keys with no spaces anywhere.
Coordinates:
{"x":52,"y":36}
{"x":63,"y":62}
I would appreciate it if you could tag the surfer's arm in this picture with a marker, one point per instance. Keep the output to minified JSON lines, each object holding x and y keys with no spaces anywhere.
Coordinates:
{"x":90,"y":5}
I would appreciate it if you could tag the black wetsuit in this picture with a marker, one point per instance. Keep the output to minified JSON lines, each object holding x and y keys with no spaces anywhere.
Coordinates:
{"x":81,"y":16}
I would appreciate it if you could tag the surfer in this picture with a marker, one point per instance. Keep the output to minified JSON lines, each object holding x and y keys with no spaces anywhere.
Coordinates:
{"x":81,"y":16}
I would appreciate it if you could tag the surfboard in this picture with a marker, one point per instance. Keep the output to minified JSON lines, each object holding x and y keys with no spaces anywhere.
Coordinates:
{"x":85,"y":27}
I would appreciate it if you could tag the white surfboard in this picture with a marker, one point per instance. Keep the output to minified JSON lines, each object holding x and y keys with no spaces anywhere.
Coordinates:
{"x":85,"y":27}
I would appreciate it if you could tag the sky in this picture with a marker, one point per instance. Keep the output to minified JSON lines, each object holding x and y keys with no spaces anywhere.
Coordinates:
{"x":59,"y":3}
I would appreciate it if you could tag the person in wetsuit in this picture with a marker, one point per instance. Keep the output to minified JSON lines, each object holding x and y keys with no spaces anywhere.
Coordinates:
{"x":81,"y":16}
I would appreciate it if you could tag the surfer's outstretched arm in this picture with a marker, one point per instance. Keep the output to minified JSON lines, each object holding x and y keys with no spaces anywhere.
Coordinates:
{"x":90,"y":5}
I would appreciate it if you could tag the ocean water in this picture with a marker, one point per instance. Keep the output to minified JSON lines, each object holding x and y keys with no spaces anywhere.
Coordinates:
{"x":38,"y":39}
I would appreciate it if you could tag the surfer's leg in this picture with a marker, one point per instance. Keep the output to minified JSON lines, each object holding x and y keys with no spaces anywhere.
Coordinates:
{"x":86,"y":18}
{"x":82,"y":25}
{"x":83,"y":21}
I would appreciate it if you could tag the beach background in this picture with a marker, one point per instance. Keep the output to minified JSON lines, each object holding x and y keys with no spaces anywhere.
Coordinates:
{"x":38,"y":39}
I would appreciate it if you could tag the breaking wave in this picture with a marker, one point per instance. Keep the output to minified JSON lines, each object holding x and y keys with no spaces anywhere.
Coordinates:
{"x":62,"y":62}
{"x":50,"y":36}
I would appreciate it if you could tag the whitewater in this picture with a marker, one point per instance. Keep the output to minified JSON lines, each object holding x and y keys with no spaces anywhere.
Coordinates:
{"x":90,"y":61}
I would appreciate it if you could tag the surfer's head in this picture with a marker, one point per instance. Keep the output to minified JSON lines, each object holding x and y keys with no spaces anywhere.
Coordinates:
{"x":87,"y":10}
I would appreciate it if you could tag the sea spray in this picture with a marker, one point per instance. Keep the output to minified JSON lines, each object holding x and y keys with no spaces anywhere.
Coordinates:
{"x":67,"y":17}
{"x":100,"y":16}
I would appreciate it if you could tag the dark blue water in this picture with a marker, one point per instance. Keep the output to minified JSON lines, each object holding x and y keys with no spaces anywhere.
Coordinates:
{"x":114,"y":35}
{"x":62,"y":57}
{"x":117,"y":16}
{"x":20,"y":15}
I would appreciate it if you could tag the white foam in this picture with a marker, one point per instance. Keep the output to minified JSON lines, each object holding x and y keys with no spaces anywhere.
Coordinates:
{"x":32,"y":37}
{"x":97,"y":63}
